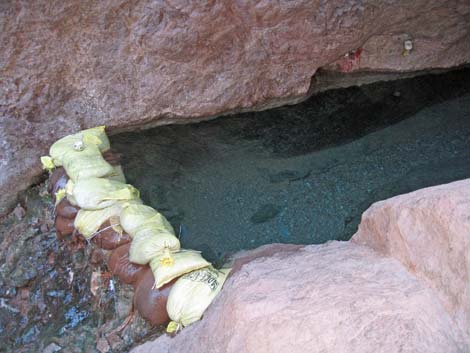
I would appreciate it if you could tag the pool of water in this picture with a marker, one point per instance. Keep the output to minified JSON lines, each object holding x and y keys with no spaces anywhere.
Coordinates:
{"x":302,"y":173}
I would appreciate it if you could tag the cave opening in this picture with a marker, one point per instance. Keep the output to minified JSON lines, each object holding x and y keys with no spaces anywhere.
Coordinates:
{"x":303,"y":173}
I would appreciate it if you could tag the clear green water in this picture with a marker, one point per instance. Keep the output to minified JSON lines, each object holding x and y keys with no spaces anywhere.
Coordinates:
{"x":303,"y":173}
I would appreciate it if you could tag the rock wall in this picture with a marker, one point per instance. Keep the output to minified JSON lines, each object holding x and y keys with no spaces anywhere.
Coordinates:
{"x":66,"y":66}
{"x":411,"y":295}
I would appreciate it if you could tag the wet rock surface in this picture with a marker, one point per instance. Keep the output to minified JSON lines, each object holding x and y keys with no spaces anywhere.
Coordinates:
{"x":305,"y":173}
{"x":58,"y":295}
{"x":74,"y":65}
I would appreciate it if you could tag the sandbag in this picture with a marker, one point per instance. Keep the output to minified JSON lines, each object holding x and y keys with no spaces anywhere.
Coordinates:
{"x":169,"y":265}
{"x":136,"y":217}
{"x":120,"y":266}
{"x":99,"y":193}
{"x":91,"y":137}
{"x":108,"y":238}
{"x":70,"y":185}
{"x":64,"y":227}
{"x":117,"y":175}
{"x":86,"y":163}
{"x":192,"y":294}
{"x":66,"y":210}
{"x":69,"y":192}
{"x":47,"y":163}
{"x":151,"y":302}
{"x":151,"y":242}
{"x":88,"y":222}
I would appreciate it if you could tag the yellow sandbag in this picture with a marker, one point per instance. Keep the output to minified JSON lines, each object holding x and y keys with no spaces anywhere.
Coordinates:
{"x":95,"y":136}
{"x":69,"y":192}
{"x":86,"y":163}
{"x":98,"y":193}
{"x":151,"y":242}
{"x":168,"y":266}
{"x":117,"y":175}
{"x":47,"y":163}
{"x":192,"y":294}
{"x":87,"y":222}
{"x":135,"y":217}
{"x":59,"y":195}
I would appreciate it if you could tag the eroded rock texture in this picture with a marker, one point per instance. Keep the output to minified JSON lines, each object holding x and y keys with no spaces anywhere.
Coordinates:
{"x":428,"y":231}
{"x":348,"y":297}
{"x":65,"y":66}
{"x":337,"y":297}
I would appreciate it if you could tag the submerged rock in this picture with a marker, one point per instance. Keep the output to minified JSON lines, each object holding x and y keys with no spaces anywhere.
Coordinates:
{"x":265,"y":213}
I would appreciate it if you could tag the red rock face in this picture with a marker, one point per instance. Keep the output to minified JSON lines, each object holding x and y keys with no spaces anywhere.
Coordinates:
{"x":70,"y":65}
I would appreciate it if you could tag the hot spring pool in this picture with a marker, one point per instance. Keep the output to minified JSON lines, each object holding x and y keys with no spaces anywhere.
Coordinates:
{"x":303,"y":173}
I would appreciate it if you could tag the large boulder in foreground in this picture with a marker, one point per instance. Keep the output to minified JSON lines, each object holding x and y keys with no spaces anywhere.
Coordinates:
{"x":428,"y":231}
{"x":337,"y":297}
{"x":69,"y":65}
{"x":411,"y":295}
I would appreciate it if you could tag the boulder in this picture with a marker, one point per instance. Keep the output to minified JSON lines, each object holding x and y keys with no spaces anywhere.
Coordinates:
{"x":428,"y":231}
{"x":338,"y":297}
{"x":66,"y":66}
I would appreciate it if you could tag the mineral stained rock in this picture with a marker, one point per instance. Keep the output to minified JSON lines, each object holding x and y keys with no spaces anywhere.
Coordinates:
{"x":65,"y":66}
